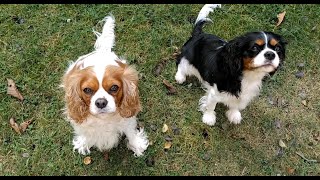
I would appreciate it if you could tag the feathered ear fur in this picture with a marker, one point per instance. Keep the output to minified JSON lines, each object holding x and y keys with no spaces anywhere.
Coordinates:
{"x":77,"y":109}
{"x":232,"y":58}
{"x":130,"y":104}
{"x":231,"y":65}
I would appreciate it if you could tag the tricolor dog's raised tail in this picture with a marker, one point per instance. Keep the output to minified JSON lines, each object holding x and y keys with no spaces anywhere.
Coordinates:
{"x":203,"y":17}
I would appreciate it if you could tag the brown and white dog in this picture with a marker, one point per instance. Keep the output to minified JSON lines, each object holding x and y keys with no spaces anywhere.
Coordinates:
{"x":102,"y":98}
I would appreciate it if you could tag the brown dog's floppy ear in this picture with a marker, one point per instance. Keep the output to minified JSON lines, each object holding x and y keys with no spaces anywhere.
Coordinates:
{"x":76,"y":107}
{"x":130,"y":103}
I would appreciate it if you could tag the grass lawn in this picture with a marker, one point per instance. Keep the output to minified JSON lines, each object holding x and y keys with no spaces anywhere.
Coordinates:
{"x":38,"y":41}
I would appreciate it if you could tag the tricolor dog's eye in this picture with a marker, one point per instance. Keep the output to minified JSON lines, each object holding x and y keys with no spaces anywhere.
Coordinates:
{"x":88,"y":91}
{"x":254,"y":48}
{"x":114,"y":88}
{"x":277,"y":48}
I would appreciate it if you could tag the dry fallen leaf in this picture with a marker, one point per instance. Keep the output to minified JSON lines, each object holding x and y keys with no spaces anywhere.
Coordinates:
{"x":87,"y":160}
{"x":290,"y":170}
{"x":316,"y":136}
{"x":14,"y":125}
{"x":282,"y":144}
{"x":170,"y":87}
{"x":280,"y":17}
{"x":24,"y":125}
{"x":163,"y":62}
{"x":304,"y":102}
{"x":167,"y":145}
{"x":160,"y":66}
{"x":12,"y":90}
{"x":165,"y":128}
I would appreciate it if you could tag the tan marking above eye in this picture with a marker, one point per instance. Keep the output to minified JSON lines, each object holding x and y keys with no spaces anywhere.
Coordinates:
{"x":260,"y":42}
{"x":273,"y":42}
{"x":91,"y":83}
{"x":88,"y":80}
{"x":112,"y":76}
{"x":108,"y":83}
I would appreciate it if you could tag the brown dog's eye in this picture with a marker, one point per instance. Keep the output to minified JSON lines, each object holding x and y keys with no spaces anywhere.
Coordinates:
{"x":114,"y":88}
{"x":88,"y":91}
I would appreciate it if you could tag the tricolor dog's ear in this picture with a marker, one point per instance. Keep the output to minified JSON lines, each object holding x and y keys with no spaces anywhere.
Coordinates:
{"x":232,"y":58}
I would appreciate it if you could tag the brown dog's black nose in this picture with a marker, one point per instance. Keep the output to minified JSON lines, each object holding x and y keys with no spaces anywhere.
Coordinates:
{"x":101,"y":103}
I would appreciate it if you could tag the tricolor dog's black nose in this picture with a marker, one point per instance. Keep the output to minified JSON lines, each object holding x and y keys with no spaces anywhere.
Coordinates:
{"x":101,"y":103}
{"x":269,"y":55}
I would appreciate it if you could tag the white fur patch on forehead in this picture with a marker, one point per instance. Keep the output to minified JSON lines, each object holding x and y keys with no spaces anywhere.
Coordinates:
{"x":100,"y":59}
{"x":96,"y":59}
{"x":265,"y":39}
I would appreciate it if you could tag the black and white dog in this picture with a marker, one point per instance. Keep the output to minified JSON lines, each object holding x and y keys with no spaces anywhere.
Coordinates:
{"x":231,"y":72}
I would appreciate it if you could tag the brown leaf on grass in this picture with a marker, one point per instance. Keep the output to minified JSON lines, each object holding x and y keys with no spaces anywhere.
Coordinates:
{"x":24,"y":125}
{"x":304,"y":102}
{"x":14,"y":125}
{"x":290,"y":170}
{"x":167,"y":145}
{"x":160,"y":66}
{"x":163,"y":62}
{"x":280,"y":18}
{"x":19,"y":128}
{"x":87,"y":160}
{"x":170,"y":87}
{"x":12,"y":90}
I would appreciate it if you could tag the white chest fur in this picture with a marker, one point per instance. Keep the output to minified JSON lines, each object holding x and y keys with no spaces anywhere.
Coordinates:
{"x":250,"y":88}
{"x":102,"y":133}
